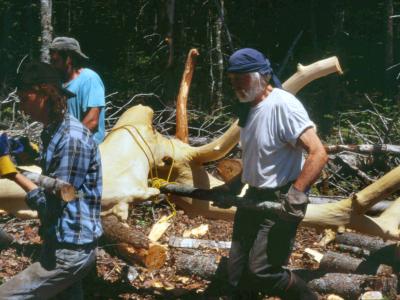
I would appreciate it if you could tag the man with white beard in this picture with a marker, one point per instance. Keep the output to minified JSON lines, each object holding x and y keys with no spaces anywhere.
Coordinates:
{"x":275,"y":131}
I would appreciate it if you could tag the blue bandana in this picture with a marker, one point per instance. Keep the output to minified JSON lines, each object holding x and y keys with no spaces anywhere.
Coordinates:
{"x":248,"y":60}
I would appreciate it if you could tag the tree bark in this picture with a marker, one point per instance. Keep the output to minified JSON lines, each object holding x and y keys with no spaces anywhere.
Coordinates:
{"x":197,"y":263}
{"x":351,"y":286}
{"x":388,"y":46}
{"x":379,"y":251}
{"x":178,"y":242}
{"x":47,"y":29}
{"x":334,"y":262}
{"x":133,"y":245}
{"x":62,"y":189}
{"x":220,"y":60}
{"x":362,"y":241}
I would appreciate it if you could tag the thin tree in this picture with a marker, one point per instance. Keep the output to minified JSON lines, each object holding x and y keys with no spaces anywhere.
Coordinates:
{"x":47,"y":29}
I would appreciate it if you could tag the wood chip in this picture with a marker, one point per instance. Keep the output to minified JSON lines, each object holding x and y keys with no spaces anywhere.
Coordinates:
{"x":196,"y":232}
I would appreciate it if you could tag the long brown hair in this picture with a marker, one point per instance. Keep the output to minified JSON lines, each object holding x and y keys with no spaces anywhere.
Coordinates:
{"x":56,"y":101}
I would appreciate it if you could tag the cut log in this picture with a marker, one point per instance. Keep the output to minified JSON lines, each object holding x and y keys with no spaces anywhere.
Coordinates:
{"x":153,"y":257}
{"x":351,"y":286}
{"x":178,"y":242}
{"x":133,"y":245}
{"x":120,"y":232}
{"x":181,"y":103}
{"x":380,"y":251}
{"x":229,"y":168}
{"x":334,"y":262}
{"x":198,"y":264}
{"x":362,"y":241}
{"x":62,"y":189}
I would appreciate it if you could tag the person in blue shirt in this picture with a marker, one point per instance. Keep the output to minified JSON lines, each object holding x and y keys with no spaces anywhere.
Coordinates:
{"x":88,"y":104}
{"x":69,"y":230}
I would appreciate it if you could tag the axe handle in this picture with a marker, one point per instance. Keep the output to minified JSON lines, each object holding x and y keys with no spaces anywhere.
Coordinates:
{"x":62,"y":189}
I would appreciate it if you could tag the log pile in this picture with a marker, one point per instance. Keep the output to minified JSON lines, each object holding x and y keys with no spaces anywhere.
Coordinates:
{"x":345,"y":274}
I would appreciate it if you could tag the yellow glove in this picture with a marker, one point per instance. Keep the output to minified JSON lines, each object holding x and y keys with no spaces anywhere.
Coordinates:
{"x":7,"y":167}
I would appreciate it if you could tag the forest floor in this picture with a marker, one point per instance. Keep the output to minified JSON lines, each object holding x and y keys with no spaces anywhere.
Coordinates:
{"x":115,"y":279}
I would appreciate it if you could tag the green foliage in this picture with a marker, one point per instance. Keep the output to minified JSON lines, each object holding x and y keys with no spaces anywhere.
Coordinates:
{"x":126,"y":41}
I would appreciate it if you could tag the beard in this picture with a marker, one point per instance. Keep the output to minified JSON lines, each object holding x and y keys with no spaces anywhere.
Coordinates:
{"x":250,"y":94}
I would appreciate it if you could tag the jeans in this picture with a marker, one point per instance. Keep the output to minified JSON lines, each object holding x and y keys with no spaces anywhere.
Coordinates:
{"x":57,"y":274}
{"x":261,"y":246}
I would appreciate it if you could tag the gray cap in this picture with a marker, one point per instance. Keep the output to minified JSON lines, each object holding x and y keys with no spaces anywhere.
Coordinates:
{"x":67,"y":43}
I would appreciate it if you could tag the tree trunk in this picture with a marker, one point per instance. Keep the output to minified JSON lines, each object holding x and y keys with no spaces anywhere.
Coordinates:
{"x":220,"y":59}
{"x":351,"y":286}
{"x":47,"y":29}
{"x":388,"y":47}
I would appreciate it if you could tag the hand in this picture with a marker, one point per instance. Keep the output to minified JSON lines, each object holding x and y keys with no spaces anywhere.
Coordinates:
{"x":294,"y":205}
{"x":23,"y":150}
{"x":7,"y":167}
{"x":219,"y":191}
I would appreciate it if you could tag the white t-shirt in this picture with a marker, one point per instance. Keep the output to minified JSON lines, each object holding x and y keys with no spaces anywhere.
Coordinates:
{"x":270,"y":156}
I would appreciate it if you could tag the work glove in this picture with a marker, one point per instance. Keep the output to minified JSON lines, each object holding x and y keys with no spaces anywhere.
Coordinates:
{"x":23,"y":150}
{"x":294,"y":205}
{"x":220,"y":190}
{"x":7,"y":167}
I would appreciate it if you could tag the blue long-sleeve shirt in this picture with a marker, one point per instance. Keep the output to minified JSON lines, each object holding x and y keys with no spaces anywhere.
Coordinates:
{"x":70,"y":154}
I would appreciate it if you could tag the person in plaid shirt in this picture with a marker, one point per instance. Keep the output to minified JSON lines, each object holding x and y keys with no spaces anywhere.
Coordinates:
{"x":69,"y":230}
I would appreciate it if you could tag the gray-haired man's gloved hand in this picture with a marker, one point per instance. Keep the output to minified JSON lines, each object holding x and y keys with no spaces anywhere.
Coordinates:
{"x":294,"y":205}
{"x":222,"y":202}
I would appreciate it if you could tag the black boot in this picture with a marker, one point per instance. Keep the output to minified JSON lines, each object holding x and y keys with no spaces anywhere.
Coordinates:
{"x":298,"y":290}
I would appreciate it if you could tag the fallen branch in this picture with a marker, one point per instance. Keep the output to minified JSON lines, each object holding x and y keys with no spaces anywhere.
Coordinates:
{"x":342,"y":160}
{"x":364,"y":148}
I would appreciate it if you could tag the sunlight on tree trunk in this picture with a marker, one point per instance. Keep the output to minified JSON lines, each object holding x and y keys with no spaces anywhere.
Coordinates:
{"x":47,"y":29}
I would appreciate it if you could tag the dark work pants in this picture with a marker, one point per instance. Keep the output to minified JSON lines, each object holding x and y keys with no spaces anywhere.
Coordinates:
{"x":261,"y":246}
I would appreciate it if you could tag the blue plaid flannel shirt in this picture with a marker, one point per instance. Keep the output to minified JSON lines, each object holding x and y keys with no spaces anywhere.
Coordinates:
{"x":70,"y":154}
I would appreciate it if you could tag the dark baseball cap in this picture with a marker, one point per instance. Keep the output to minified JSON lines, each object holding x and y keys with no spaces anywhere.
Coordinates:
{"x":38,"y":73}
{"x":67,"y":43}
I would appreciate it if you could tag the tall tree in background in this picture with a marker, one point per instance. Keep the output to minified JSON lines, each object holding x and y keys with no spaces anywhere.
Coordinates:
{"x":388,"y":46}
{"x":47,"y":29}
